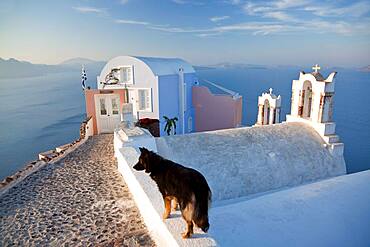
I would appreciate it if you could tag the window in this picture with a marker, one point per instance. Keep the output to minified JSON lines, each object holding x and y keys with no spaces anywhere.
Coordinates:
{"x":103,"y":109}
{"x":125,"y":75}
{"x":190,"y":124}
{"x":115,"y":110}
{"x":145,"y":100}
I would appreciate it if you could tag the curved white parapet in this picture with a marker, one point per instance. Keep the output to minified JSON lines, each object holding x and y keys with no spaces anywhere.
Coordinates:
{"x":147,"y":196}
{"x":152,"y":219}
{"x":134,"y":137}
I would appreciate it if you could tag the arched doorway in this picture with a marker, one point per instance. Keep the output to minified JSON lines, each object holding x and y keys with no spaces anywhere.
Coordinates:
{"x":306,"y":100}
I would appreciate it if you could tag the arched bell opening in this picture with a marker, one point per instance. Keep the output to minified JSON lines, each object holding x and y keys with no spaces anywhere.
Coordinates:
{"x":266,"y":112}
{"x":305,"y":105}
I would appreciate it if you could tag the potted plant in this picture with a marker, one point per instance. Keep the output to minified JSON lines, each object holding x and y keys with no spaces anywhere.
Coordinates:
{"x":170,"y":123}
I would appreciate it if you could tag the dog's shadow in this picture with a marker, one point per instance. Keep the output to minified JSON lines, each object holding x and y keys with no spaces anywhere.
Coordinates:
{"x":198,"y":235}
{"x":175,"y":214}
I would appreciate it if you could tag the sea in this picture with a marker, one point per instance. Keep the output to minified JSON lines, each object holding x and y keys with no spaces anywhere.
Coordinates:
{"x":42,"y":112}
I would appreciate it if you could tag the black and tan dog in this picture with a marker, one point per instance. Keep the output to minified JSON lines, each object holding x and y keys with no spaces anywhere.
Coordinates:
{"x":185,"y":185}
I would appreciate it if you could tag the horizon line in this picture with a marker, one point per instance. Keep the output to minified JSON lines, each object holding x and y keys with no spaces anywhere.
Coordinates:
{"x":199,"y":65}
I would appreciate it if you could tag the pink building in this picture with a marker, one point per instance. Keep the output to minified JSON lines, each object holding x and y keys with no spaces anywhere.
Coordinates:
{"x":216,"y":111}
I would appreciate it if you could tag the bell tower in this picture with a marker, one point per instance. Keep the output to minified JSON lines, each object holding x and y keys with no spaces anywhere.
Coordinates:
{"x":312,"y":103}
{"x":268,"y":108}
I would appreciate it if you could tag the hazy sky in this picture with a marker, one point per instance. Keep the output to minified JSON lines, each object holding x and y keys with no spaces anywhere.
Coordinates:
{"x":302,"y":32}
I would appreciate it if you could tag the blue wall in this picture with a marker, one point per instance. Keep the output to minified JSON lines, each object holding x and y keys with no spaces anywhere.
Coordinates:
{"x":169,"y":100}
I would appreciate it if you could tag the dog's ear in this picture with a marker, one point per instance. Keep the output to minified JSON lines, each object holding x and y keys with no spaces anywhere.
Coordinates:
{"x":141,"y":149}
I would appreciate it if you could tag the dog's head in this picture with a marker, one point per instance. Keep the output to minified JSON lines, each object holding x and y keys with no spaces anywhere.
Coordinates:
{"x":144,"y":162}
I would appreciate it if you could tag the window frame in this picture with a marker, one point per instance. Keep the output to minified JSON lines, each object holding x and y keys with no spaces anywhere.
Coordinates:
{"x":121,"y":74}
{"x":103,"y":102}
{"x":149,"y":107}
{"x":116,"y":104}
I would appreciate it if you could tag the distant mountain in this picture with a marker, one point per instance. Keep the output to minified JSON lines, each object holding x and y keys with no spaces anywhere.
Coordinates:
{"x":13,"y":68}
{"x":79,"y":61}
{"x":289,"y":67}
{"x":365,"y":69}
{"x":201,"y":67}
{"x":87,"y":63}
{"x":238,"y":65}
{"x":306,"y":68}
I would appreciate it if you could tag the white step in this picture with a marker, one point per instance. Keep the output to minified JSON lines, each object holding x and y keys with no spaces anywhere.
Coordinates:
{"x":331,"y":139}
{"x":336,"y":149}
{"x":62,"y":148}
{"x":48,"y":155}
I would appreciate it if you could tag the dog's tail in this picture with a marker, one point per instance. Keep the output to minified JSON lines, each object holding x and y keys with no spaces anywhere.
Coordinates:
{"x":202,"y":204}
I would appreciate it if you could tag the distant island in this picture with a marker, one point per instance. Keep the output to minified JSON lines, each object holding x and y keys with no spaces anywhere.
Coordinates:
{"x":81,"y":61}
{"x":13,"y":68}
{"x":197,"y":68}
{"x":238,"y":65}
{"x":365,"y":69}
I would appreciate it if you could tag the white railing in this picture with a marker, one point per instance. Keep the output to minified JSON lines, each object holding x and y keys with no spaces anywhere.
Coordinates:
{"x":235,"y":95}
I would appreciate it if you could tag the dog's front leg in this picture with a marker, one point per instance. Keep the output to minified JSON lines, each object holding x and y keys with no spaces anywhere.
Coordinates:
{"x":167,"y":207}
{"x":175,"y":204}
{"x":189,"y":229}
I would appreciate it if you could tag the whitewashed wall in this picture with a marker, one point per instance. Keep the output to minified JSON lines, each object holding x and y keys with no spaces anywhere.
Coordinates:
{"x":143,"y":77}
{"x":245,"y":161}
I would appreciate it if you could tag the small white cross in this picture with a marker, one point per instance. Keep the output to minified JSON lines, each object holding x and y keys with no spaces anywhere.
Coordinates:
{"x":316,"y":68}
{"x":270,"y":90}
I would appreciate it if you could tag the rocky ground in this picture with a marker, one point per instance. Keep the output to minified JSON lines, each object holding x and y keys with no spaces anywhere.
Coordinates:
{"x":80,"y":200}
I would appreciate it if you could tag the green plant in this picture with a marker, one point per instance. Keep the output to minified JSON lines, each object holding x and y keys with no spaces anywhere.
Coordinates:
{"x":170,"y":122}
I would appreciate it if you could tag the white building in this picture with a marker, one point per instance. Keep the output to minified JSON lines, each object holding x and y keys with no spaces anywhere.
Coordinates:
{"x":156,"y":87}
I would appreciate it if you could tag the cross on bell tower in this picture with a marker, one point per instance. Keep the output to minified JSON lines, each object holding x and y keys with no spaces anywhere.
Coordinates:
{"x":316,"y":68}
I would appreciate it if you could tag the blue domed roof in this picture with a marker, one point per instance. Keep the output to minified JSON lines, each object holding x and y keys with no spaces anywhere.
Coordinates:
{"x":166,"y":66}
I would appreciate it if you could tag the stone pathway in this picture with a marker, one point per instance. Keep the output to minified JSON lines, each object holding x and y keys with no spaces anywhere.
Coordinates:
{"x":81,"y":200}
